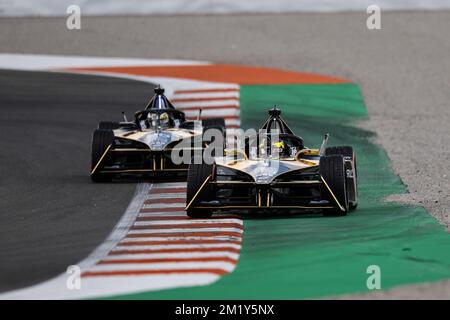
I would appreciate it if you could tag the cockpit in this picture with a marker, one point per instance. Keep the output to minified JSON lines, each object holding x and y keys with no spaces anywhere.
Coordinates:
{"x":160,"y":119}
{"x":159,"y":113}
{"x":273,"y":145}
{"x":274,"y":140}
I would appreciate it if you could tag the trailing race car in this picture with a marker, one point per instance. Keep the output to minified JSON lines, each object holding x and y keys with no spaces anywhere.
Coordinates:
{"x":275,"y":171}
{"x":143,"y":147}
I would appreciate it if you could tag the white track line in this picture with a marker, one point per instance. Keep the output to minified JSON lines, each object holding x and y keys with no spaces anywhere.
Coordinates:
{"x":172,"y":255}
{"x":206,"y":95}
{"x":184,"y":238}
{"x":162,"y":214}
{"x":177,"y":231}
{"x":164,"y":205}
{"x":192,"y":221}
{"x":226,"y":266}
{"x":230,"y":122}
{"x":178,"y":246}
{"x":203,"y":104}
{"x":167,"y":195}
{"x":41,"y":62}
{"x":110,"y":286}
{"x":163,"y":185}
{"x":199,"y":91}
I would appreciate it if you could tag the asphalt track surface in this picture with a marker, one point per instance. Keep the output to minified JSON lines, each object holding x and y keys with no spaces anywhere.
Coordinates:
{"x":403,"y":71}
{"x":51,"y":214}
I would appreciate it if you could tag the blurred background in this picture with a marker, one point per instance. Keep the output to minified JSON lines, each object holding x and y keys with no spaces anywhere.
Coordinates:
{"x":143,"y":7}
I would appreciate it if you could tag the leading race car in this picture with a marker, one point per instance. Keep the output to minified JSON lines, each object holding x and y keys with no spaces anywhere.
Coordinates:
{"x":275,"y":172}
{"x":143,"y":147}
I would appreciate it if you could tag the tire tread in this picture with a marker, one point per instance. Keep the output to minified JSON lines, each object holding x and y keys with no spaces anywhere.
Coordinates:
{"x":333,"y":171}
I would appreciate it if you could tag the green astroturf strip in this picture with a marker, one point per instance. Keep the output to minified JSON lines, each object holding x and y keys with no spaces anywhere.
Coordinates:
{"x":317,"y":100}
{"x":294,"y":257}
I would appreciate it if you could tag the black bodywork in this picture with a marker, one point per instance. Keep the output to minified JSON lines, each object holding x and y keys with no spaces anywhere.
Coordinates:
{"x":143,"y":147}
{"x":290,"y":176}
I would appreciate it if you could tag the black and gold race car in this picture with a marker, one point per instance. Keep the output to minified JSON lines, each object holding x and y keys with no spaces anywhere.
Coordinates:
{"x":145,"y":146}
{"x":275,"y":172}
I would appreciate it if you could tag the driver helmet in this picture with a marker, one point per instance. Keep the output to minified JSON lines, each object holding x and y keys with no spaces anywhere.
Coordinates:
{"x":164,"y":119}
{"x":278,"y":148}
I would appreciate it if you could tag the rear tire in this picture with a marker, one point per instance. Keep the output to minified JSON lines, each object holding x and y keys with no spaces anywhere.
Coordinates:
{"x":108,"y":125}
{"x":352,"y":183}
{"x":197,"y":175}
{"x":214,"y":122}
{"x":218,"y":124}
{"x":101,"y":140}
{"x":332,"y":169}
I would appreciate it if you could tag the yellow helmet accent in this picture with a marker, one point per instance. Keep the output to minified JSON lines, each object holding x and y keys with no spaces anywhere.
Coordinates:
{"x":279,"y":144}
{"x":164,"y":117}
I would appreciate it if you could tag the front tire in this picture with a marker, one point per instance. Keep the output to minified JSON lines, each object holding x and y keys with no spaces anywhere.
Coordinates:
{"x":332,"y":169}
{"x":101,"y":140}
{"x":351,"y":172}
{"x":197,"y":174}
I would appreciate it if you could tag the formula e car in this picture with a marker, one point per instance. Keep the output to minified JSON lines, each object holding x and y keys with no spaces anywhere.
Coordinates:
{"x":143,"y":147}
{"x":275,"y":172}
